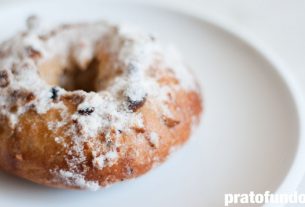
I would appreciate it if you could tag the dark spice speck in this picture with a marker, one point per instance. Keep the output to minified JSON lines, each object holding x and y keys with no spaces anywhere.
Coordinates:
{"x":86,"y":111}
{"x":54,"y":92}
{"x":129,"y":170}
{"x":4,"y":80}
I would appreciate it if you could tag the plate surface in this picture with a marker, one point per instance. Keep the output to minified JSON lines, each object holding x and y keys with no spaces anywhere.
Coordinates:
{"x":247,"y":140}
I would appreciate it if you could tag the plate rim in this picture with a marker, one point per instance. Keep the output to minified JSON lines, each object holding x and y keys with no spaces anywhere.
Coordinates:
{"x":296,"y":171}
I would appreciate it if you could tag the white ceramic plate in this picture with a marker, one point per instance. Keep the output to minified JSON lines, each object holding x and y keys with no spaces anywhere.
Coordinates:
{"x":249,"y":138}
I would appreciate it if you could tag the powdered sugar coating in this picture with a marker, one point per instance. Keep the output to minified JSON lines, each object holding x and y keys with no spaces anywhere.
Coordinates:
{"x":154,"y":139}
{"x":73,"y":179}
{"x":99,"y":112}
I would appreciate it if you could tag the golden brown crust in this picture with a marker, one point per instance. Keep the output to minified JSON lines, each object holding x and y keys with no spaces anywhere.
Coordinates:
{"x":31,"y":152}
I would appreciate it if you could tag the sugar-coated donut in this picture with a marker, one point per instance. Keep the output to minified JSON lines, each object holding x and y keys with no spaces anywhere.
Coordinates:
{"x":87,"y":105}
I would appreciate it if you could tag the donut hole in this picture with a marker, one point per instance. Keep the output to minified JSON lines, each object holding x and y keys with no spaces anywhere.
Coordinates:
{"x":70,"y":77}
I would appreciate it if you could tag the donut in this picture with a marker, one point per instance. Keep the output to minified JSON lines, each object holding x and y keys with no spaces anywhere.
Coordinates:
{"x":87,"y":105}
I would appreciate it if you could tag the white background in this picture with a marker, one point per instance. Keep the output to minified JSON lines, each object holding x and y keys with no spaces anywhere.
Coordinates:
{"x":278,"y":24}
